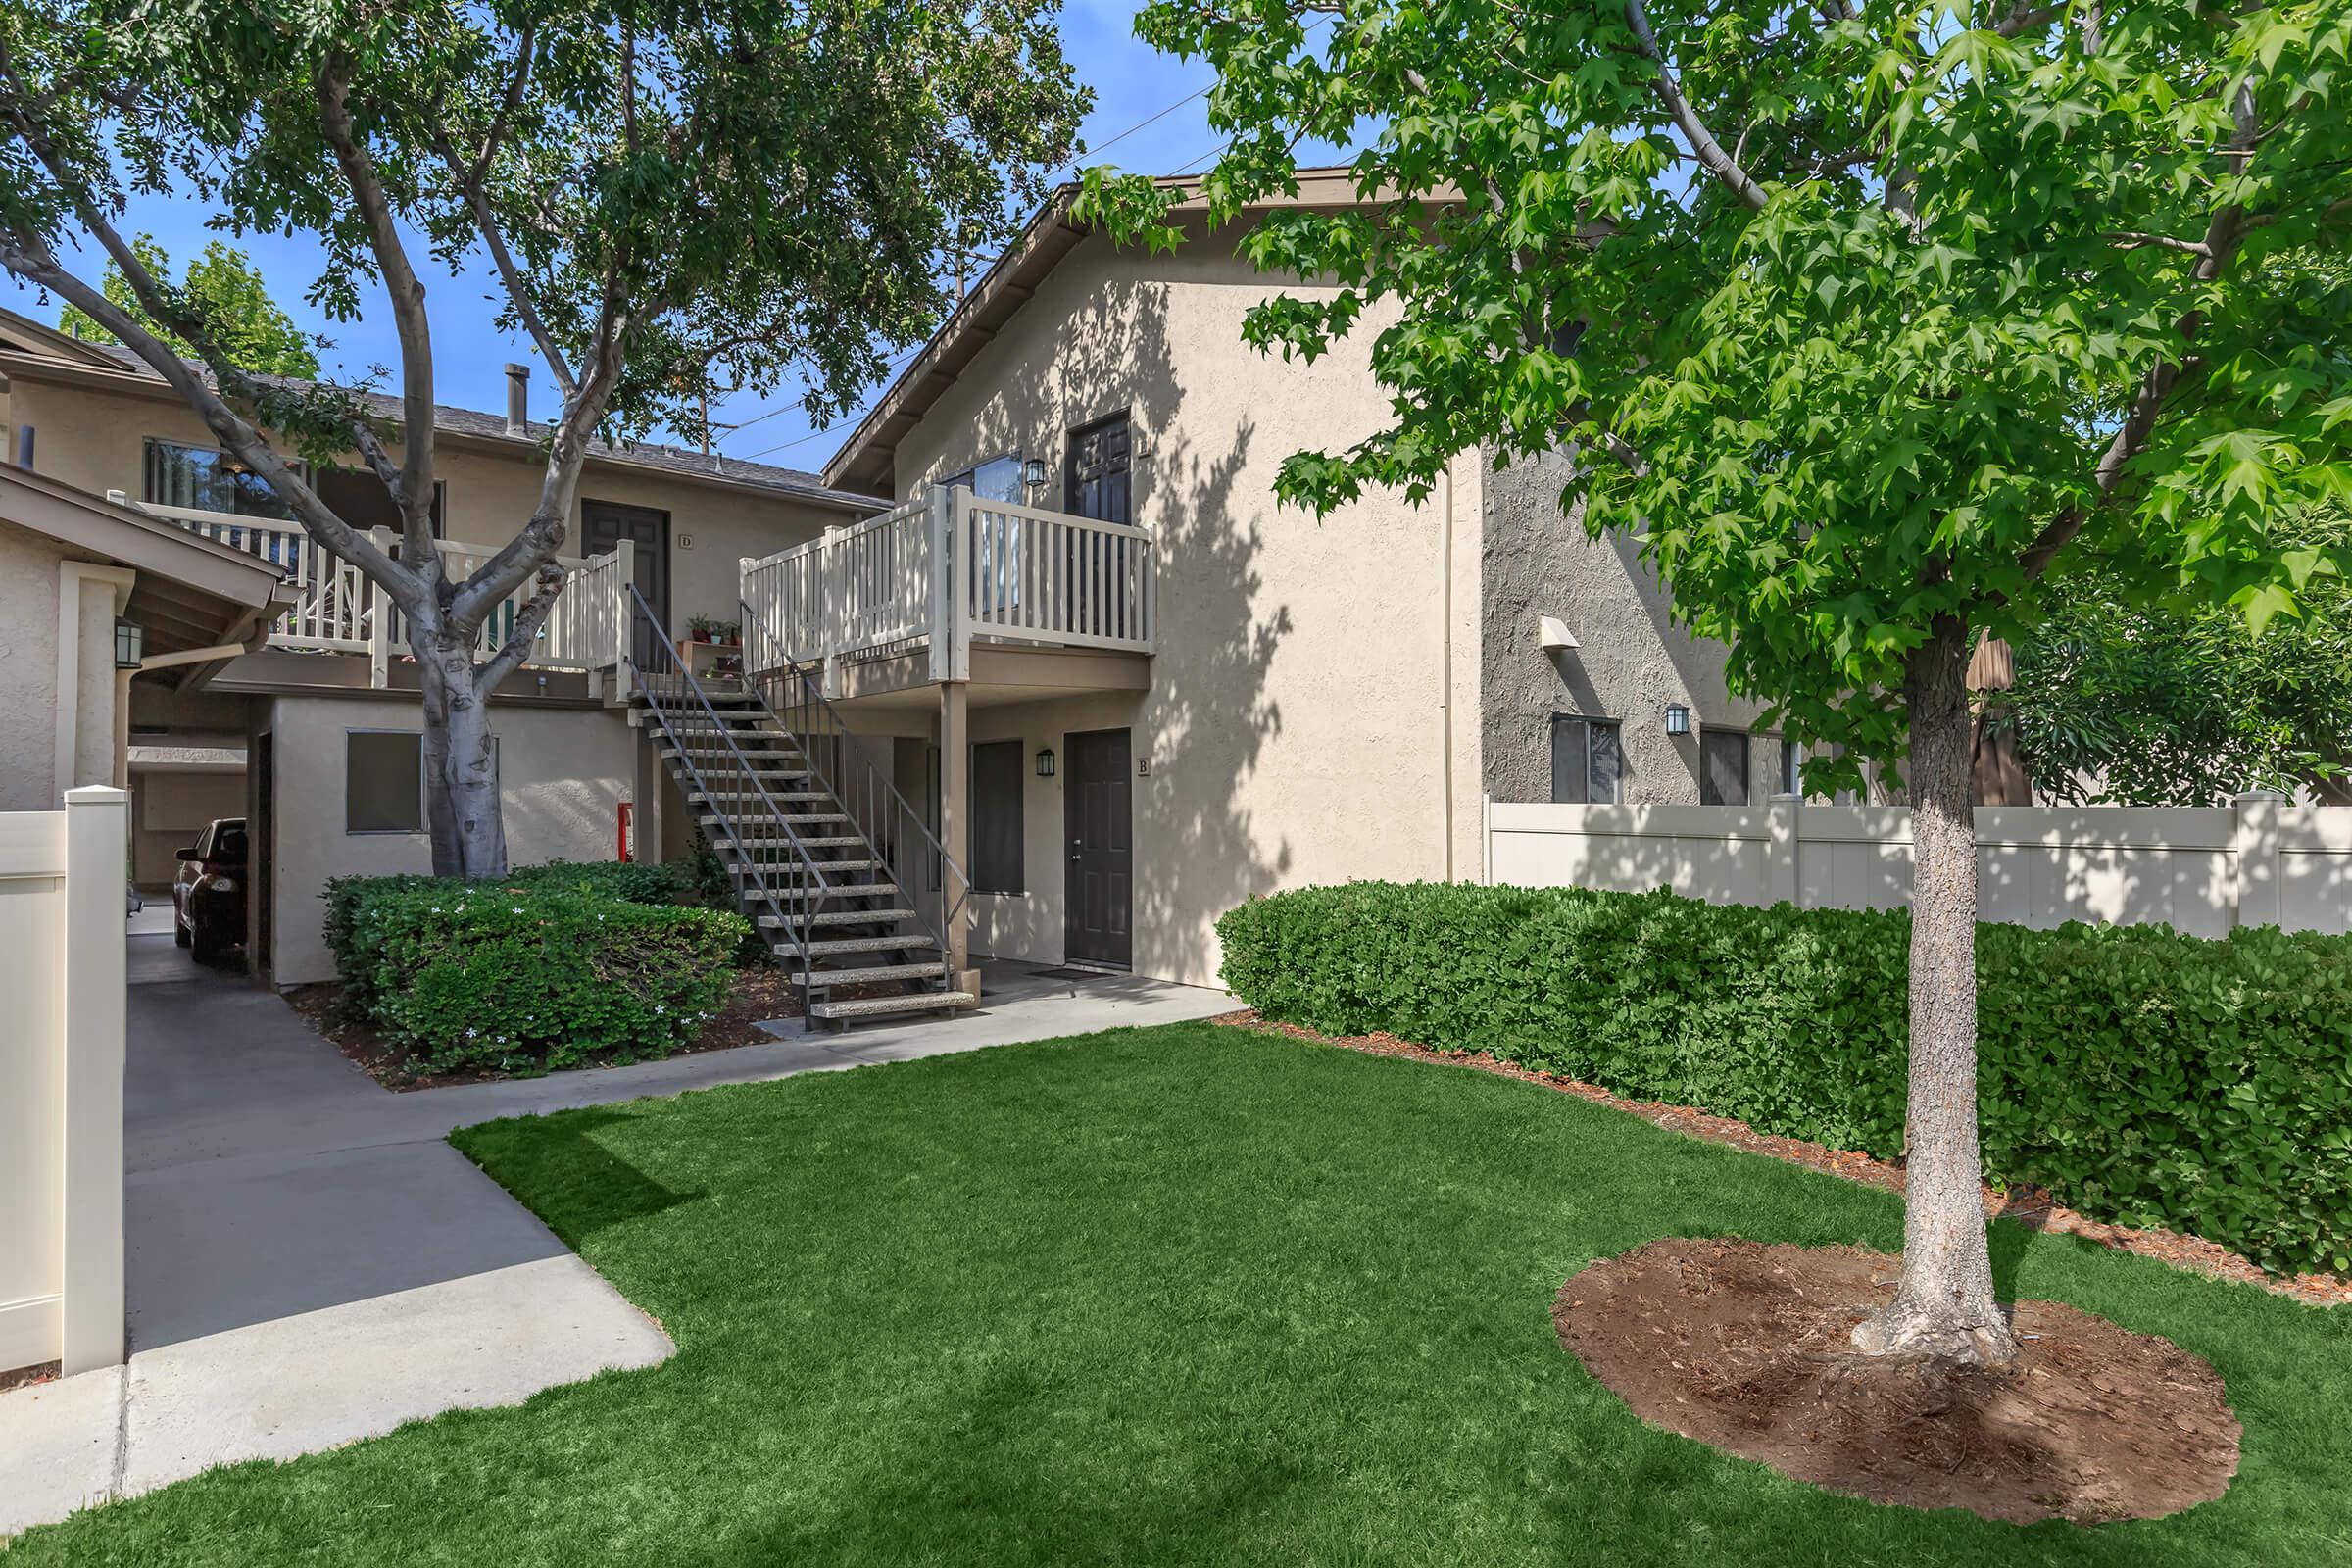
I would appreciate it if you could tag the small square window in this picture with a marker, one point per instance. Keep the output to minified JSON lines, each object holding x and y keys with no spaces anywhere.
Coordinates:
{"x":383,"y":781}
{"x":1587,"y":761}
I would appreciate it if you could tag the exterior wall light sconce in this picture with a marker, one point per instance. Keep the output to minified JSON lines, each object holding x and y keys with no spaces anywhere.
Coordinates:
{"x":1678,"y":720}
{"x":1044,"y":761}
{"x":1034,"y":480}
{"x":131,"y":645}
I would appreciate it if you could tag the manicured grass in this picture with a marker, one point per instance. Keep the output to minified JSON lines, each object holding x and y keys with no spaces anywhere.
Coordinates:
{"x":1176,"y":1295}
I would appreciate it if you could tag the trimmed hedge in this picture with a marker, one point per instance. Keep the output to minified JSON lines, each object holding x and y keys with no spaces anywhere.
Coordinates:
{"x":553,"y":967}
{"x":2142,"y":1076}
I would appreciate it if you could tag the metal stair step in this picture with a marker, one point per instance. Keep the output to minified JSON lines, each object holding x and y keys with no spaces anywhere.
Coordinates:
{"x":934,"y":971}
{"x":704,"y":796}
{"x":845,"y":917}
{"x":860,"y":890}
{"x":830,"y":946}
{"x":797,"y":868}
{"x":775,"y":845}
{"x":885,"y":1006}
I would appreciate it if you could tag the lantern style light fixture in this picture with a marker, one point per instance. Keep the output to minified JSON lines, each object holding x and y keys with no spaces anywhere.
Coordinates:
{"x":1044,"y":761}
{"x":1034,"y":480}
{"x":1678,"y":720}
{"x":131,"y":645}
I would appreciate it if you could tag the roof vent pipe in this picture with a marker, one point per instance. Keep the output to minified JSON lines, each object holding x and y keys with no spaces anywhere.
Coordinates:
{"x":518,"y":400}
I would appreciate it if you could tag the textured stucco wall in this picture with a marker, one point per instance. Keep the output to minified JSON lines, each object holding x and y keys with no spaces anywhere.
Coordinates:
{"x":1633,"y":662}
{"x":97,"y":440}
{"x":27,"y":671}
{"x":96,"y":683}
{"x":562,"y":773}
{"x":1297,"y":713}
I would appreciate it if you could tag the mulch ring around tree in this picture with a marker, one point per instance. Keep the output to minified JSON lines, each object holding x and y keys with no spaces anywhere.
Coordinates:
{"x":1743,"y":1346}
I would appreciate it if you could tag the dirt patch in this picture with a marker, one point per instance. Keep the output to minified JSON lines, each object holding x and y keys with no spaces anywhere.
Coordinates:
{"x":24,"y":1377}
{"x":760,"y":992}
{"x":1744,"y":1346}
{"x":2030,"y":1207}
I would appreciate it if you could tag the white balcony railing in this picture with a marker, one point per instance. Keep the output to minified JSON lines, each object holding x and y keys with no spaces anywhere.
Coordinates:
{"x":340,"y":611}
{"x":944,"y":570}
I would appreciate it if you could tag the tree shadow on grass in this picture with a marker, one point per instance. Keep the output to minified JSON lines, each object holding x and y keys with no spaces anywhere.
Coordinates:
{"x":560,"y":1169}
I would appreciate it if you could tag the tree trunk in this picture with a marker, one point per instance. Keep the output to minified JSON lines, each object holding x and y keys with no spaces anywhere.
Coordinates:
{"x":461,"y":769}
{"x":1945,"y":1305}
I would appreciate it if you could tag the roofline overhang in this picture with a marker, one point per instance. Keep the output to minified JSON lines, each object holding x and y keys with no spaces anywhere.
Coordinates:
{"x":865,"y":459}
{"x":113,"y":377}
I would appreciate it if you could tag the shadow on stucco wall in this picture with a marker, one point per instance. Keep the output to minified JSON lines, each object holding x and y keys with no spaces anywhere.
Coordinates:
{"x":1202,"y":842}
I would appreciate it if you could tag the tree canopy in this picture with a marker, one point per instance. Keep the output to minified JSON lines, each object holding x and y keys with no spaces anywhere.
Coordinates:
{"x":2128,"y":700}
{"x":667,"y":197}
{"x":223,"y":291}
{"x":1883,"y":311}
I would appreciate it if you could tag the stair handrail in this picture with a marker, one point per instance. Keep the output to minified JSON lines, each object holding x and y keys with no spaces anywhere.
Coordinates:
{"x":961,"y":886}
{"x":824,"y":887}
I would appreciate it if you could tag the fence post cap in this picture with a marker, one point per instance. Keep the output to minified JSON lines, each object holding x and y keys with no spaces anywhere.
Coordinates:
{"x":96,"y":794}
{"x":2257,"y":794}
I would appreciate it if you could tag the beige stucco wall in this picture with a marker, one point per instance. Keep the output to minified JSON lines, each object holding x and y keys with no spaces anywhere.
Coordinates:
{"x":1298,"y":719}
{"x":169,"y":810}
{"x":562,"y":772}
{"x":97,"y":440}
{"x":29,"y":605}
{"x":41,"y":590}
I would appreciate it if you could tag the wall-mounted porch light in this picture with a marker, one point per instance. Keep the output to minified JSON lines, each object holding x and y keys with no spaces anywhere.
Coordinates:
{"x":1034,"y":480}
{"x":1044,"y":761}
{"x":1678,"y":720}
{"x":131,"y":645}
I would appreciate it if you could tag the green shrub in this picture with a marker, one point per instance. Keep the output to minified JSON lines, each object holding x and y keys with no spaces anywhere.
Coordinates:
{"x":550,"y":967}
{"x":2144,"y":1076}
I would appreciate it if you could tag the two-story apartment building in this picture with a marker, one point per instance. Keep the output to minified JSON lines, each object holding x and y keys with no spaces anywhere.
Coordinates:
{"x":314,"y":735}
{"x":1044,"y":586}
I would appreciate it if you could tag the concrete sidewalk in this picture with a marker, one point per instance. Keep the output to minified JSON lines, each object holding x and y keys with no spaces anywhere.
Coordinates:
{"x":311,"y":1264}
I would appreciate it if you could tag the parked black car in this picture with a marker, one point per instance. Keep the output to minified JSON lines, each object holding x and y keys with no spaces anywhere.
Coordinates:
{"x":208,"y":896}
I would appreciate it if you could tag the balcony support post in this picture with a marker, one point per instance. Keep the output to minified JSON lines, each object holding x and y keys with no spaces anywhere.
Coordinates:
{"x":955,"y":825}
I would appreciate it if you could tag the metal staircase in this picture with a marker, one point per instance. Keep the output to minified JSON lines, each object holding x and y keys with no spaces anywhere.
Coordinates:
{"x":806,"y":826}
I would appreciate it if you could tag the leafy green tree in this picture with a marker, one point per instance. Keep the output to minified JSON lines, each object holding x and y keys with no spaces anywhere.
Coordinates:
{"x":1861,"y":318}
{"x":2149,"y":703}
{"x":224,"y":294}
{"x":667,"y":197}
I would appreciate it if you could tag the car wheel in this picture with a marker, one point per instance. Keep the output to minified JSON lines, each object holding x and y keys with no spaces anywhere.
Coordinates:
{"x":180,"y":934}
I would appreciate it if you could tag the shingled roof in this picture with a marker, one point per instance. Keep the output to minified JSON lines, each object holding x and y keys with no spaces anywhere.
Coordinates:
{"x":798,"y":483}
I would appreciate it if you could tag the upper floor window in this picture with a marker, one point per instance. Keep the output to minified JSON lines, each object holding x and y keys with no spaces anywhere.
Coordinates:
{"x":206,"y":479}
{"x":1792,"y":766}
{"x":995,"y":548}
{"x":1587,"y":763}
{"x":359,"y":498}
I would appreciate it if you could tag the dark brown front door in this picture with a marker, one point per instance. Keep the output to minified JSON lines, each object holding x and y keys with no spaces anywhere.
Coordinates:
{"x":604,"y":524}
{"x":1094,"y":811}
{"x":1094,"y":479}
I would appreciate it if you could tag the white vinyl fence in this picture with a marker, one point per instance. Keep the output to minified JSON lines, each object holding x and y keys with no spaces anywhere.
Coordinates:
{"x":2202,"y":871}
{"x":61,"y":908}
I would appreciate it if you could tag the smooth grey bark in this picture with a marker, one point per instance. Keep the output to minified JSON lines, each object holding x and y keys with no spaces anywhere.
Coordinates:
{"x":1945,"y":1305}
{"x":461,"y":773}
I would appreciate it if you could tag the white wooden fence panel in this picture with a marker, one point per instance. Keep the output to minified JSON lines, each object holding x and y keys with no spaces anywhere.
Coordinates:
{"x":62,"y":909}
{"x":2202,"y":871}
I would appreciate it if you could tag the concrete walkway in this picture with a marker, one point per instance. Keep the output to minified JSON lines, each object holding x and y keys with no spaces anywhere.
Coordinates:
{"x":310,"y":1262}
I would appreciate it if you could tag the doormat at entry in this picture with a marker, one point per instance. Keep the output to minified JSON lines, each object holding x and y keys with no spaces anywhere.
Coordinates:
{"x":1070,"y":974}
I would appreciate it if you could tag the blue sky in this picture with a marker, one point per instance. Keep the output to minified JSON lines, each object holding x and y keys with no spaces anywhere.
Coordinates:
{"x":1131,"y":83}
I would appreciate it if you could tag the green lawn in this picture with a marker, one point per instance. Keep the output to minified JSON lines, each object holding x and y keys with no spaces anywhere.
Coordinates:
{"x":1176,"y":1295}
